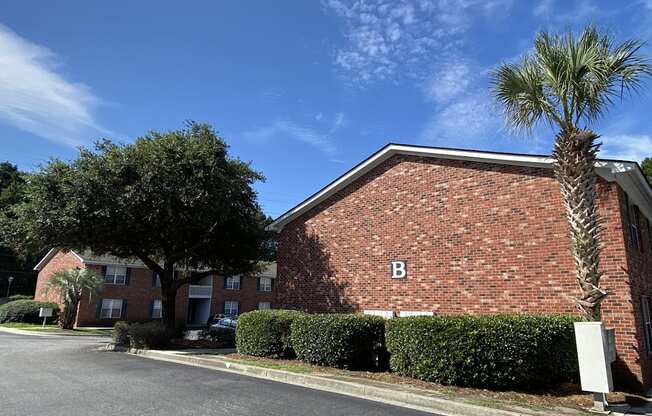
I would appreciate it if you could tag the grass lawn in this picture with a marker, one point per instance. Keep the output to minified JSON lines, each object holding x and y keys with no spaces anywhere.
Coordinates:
{"x":56,"y":329}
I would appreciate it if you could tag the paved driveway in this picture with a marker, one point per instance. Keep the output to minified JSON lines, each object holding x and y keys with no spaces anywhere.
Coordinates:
{"x":64,"y":376}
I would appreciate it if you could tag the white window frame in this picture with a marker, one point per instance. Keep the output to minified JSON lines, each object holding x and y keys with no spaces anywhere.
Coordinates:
{"x":111,"y":305}
{"x":233,"y":283}
{"x":112,"y":276}
{"x":228,"y":307}
{"x":647,"y":323}
{"x":267,"y":287}
{"x":155,"y":314}
{"x":404,"y":314}
{"x":267,"y":306}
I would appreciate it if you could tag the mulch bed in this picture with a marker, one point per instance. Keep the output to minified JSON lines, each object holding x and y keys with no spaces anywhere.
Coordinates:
{"x":564,"y":395}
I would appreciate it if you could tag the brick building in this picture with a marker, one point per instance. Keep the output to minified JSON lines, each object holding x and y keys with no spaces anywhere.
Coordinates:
{"x":420,"y":230}
{"x":132,"y":292}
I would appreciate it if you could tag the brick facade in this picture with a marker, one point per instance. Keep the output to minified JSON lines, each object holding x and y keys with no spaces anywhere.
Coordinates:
{"x":477,"y":238}
{"x":141,"y":291}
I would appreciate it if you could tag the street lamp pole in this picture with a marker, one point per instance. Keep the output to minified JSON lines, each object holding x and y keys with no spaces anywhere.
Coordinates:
{"x":9,"y":279}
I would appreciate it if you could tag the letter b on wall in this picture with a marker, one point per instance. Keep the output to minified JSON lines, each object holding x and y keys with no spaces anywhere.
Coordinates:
{"x":398,"y":270}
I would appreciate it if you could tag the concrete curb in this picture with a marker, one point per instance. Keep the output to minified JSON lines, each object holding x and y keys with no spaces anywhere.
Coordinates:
{"x":46,"y":334}
{"x":402,"y":396}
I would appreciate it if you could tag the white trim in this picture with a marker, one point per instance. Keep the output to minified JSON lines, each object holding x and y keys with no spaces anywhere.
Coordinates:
{"x":48,"y":256}
{"x":610,"y":170}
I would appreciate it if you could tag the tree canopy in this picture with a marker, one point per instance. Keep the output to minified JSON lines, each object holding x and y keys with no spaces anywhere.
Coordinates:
{"x":646,"y":165}
{"x":175,"y":200}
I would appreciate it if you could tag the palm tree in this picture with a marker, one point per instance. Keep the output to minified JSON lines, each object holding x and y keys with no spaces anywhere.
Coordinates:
{"x":569,"y":82}
{"x":70,"y":286}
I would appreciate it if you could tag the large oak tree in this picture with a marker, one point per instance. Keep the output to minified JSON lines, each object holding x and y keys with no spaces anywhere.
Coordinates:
{"x":175,"y":200}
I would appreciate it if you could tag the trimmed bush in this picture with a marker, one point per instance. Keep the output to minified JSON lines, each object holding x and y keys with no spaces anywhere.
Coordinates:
{"x":266,"y":333}
{"x":120,"y":333}
{"x":148,"y":335}
{"x":338,"y":340}
{"x":496,"y":352}
{"x":25,"y":310}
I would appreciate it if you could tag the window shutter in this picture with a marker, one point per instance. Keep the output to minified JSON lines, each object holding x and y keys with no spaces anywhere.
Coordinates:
{"x":103,"y":271}
{"x":237,"y":303}
{"x":154,"y":277}
{"x":271,"y":280}
{"x":225,"y":282}
{"x":123,"y":313}
{"x":151,"y":309}
{"x":127,"y":275}
{"x":258,"y":284}
{"x":224,"y":307}
{"x":98,"y":308}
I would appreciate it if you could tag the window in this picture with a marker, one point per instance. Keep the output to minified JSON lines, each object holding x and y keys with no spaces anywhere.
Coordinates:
{"x":111,"y":309}
{"x":115,"y":275}
{"x":265,"y":284}
{"x":156,"y":309}
{"x":632,"y":224}
{"x":647,"y":325}
{"x":232,"y":283}
{"x":264,"y":305}
{"x":156,"y":280}
{"x":231,"y":307}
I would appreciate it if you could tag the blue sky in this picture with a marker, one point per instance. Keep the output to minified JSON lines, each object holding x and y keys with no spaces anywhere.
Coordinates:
{"x":302,"y":89}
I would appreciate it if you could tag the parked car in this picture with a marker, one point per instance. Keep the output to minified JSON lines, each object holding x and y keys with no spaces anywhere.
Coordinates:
{"x":222,"y":323}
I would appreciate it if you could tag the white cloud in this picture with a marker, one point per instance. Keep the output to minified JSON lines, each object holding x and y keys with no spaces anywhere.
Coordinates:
{"x":285,"y":129}
{"x":388,"y":40}
{"x":449,"y":81}
{"x":626,"y":147}
{"x":467,"y":122}
{"x":37,"y":99}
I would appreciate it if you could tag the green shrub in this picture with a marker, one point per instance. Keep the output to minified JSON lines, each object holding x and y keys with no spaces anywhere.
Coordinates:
{"x":338,"y":340}
{"x":148,"y":335}
{"x":497,"y":352}
{"x":19,"y":297}
{"x":266,"y":333}
{"x":224,"y":337}
{"x":120,"y":333}
{"x":25,"y":310}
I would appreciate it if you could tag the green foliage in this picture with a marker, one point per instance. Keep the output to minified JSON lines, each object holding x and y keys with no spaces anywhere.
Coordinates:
{"x":225,"y":337}
{"x":171,"y":198}
{"x":646,"y":165}
{"x":69,"y":286}
{"x":567,"y":80}
{"x":338,"y":340}
{"x":496,"y":352}
{"x":266,"y":333}
{"x":120,"y":333}
{"x":148,"y":335}
{"x":25,"y":310}
{"x":19,"y":297}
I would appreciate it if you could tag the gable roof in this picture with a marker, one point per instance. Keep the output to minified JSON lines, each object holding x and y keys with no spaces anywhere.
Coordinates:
{"x":628,"y":174}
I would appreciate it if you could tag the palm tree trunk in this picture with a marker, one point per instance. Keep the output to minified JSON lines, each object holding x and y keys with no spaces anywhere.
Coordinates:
{"x":68,"y":315}
{"x":574,"y":166}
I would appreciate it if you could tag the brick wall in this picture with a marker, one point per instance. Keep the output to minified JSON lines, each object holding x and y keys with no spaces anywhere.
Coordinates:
{"x":60,"y":262}
{"x":249,"y":296}
{"x":477,"y":238}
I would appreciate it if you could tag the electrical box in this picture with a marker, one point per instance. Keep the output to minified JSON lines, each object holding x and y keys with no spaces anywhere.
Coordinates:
{"x":596,"y":350}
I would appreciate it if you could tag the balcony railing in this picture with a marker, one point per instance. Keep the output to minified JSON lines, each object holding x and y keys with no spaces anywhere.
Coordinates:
{"x":200,"y":291}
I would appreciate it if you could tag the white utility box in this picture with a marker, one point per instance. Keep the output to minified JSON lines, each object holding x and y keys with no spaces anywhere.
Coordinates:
{"x":596,"y":350}
{"x":45,"y":312}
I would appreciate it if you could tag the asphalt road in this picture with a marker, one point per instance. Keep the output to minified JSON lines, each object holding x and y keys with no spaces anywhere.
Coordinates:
{"x":46,"y":376}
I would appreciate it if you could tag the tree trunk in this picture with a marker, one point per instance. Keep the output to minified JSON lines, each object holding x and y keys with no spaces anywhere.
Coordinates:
{"x":68,"y":315}
{"x":574,"y":166}
{"x":168,"y":299}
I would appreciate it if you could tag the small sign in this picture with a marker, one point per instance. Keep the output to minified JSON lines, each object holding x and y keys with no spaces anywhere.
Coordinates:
{"x":399,"y":270}
{"x":45,"y":312}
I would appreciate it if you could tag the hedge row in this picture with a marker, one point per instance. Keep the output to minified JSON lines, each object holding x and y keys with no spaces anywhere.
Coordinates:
{"x":266,"y":333}
{"x":145,"y":335}
{"x":498,"y":352}
{"x":25,"y":310}
{"x":494,"y":351}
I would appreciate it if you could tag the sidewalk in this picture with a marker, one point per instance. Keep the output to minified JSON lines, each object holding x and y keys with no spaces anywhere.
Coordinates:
{"x":364,"y":388}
